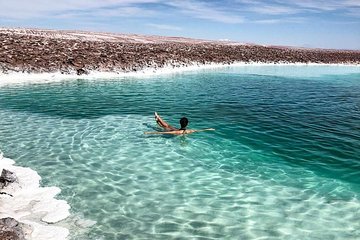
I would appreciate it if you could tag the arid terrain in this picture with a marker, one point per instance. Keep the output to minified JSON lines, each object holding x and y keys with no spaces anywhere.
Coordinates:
{"x":43,"y":51}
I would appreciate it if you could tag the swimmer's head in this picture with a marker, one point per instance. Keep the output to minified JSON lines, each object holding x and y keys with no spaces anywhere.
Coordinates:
{"x":183,"y":123}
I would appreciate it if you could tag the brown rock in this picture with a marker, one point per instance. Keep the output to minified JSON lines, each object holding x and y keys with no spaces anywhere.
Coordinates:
{"x":81,"y":71}
{"x":10,"y":229}
{"x":6,"y":178}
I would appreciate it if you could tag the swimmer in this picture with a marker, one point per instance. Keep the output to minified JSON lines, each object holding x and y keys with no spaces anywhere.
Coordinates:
{"x":175,"y":131}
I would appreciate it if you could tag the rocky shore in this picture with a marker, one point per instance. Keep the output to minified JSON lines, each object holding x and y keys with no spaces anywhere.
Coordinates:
{"x":28,"y":211}
{"x":70,"y":52}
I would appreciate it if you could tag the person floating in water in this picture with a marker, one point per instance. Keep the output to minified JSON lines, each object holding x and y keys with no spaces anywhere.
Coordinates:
{"x":172,"y":130}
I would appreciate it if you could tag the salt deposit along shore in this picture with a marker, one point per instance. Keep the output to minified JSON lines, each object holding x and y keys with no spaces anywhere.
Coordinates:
{"x":25,"y":77}
{"x":32,"y":54}
{"x":28,"y":211}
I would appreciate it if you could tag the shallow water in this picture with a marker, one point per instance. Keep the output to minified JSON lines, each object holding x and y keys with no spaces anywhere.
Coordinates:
{"x":283,"y":163}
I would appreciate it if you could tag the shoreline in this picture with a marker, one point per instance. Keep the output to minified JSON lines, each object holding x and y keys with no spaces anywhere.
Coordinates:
{"x":47,"y":77}
{"x":31,"y":204}
{"x":70,"y":54}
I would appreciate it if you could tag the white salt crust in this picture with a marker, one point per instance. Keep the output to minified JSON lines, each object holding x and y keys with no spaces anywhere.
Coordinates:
{"x":32,"y":204}
{"x":23,"y":77}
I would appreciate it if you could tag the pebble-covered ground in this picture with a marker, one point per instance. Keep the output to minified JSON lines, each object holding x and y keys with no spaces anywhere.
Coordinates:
{"x":39,"y":51}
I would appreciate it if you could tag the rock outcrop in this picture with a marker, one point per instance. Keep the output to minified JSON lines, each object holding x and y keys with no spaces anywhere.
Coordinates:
{"x":6,"y":178}
{"x":10,"y":229}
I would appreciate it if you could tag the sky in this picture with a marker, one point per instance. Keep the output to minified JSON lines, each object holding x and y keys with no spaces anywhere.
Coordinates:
{"x":300,"y":23}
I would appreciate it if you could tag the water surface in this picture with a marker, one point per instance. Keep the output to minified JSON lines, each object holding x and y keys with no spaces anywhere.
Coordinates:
{"x":283,"y":163}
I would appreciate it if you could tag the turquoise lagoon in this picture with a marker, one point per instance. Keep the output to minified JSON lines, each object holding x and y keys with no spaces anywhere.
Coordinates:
{"x":283,"y":163}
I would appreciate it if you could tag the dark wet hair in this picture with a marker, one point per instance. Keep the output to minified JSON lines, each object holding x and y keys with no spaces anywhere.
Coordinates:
{"x":183,"y":123}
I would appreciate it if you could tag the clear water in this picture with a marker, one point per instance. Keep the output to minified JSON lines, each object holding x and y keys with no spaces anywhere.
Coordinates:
{"x":283,"y":163}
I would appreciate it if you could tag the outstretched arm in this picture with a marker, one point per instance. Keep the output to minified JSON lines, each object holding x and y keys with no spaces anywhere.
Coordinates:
{"x":203,"y":130}
{"x":163,"y":124}
{"x":170,"y":132}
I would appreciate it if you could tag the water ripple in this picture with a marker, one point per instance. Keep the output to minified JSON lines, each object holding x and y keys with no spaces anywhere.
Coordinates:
{"x":283,"y":163}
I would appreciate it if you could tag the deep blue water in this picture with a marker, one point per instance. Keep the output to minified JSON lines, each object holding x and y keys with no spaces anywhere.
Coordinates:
{"x":284,"y":161}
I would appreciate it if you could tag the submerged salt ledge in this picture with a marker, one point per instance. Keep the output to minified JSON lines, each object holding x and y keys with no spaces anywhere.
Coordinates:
{"x":32,"y":204}
{"x":23,"y":77}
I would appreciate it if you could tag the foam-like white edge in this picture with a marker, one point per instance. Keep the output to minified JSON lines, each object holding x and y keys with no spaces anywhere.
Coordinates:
{"x":20,"y":77}
{"x":32,"y":204}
